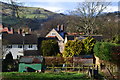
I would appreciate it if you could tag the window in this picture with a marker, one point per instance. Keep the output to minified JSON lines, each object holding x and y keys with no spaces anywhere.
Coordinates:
{"x":30,"y":46}
{"x":19,"y":46}
{"x":53,"y":33}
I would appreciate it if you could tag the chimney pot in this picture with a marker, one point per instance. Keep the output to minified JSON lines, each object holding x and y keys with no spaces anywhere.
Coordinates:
{"x":58,"y":27}
{"x":62,"y":27}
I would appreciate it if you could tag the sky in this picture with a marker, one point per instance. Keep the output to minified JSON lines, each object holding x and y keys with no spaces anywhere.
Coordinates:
{"x":63,"y":6}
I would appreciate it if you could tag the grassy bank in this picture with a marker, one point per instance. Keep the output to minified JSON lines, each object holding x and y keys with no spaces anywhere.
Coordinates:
{"x":43,"y":76}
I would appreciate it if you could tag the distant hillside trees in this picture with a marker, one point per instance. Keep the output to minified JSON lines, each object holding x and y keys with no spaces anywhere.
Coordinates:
{"x":37,"y":11}
{"x":108,"y":25}
{"x":15,"y":7}
{"x":49,"y":48}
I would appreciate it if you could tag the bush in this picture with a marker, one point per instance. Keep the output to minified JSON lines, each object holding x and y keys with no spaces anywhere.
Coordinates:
{"x":73,"y":48}
{"x":49,"y":48}
{"x":116,"y":39}
{"x":8,"y":64}
{"x":103,"y":50}
{"x":89,"y":43}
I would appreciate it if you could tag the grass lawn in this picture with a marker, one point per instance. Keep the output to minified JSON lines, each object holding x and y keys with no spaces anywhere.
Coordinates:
{"x":43,"y":76}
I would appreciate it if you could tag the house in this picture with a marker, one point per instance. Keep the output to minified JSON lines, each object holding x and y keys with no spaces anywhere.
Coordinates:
{"x":58,"y":34}
{"x":18,"y":43}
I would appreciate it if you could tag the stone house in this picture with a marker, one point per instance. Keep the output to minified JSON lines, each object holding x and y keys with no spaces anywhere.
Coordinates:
{"x":58,"y":33}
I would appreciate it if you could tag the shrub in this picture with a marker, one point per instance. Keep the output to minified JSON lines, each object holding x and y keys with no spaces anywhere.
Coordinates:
{"x":89,"y":43}
{"x":104,"y":51}
{"x":73,"y":48}
{"x":116,"y":39}
{"x":49,"y":48}
{"x":8,"y":63}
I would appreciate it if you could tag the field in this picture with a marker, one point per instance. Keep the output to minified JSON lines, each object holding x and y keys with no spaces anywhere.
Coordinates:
{"x":43,"y":76}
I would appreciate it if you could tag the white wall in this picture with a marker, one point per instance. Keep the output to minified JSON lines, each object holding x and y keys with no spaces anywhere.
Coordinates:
{"x":18,"y":51}
{"x":0,"y":36}
{"x":34,"y":47}
{"x":61,"y":45}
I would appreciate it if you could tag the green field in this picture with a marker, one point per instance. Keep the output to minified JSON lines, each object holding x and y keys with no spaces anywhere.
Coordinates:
{"x":43,"y":76}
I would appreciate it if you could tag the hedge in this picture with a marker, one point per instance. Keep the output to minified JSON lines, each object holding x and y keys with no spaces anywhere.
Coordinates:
{"x":104,"y":50}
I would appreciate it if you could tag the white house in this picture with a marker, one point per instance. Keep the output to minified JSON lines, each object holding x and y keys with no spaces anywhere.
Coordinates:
{"x":17,"y":44}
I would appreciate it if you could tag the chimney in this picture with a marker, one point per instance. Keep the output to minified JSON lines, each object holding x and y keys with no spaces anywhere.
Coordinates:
{"x":62,"y":27}
{"x":5,"y":29}
{"x":11,"y":31}
{"x":19,"y":31}
{"x":58,"y":27}
{"x":30,"y":30}
{"x":23,"y":30}
{"x":1,"y":27}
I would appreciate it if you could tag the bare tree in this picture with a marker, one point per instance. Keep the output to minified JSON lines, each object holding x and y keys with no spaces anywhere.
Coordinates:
{"x":88,"y":12}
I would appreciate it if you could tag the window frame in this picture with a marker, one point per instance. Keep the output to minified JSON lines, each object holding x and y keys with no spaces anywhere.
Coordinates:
{"x":20,"y":46}
{"x":30,"y":46}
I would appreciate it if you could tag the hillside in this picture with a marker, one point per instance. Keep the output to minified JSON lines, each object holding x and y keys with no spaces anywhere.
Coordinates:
{"x":41,"y":21}
{"x":28,"y":16}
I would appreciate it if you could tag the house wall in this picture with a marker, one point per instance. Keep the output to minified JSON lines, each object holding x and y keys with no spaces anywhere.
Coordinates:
{"x":34,"y":47}
{"x":16,"y":51}
{"x":61,"y":45}
{"x":0,"y":36}
{"x":53,"y":33}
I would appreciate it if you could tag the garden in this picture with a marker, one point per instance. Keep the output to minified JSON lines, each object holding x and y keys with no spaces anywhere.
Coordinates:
{"x":43,"y":76}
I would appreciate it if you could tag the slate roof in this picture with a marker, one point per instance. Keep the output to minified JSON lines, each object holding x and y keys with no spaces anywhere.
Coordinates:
{"x":31,"y":53}
{"x":18,"y":38}
{"x":31,"y":59}
{"x":70,"y":37}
